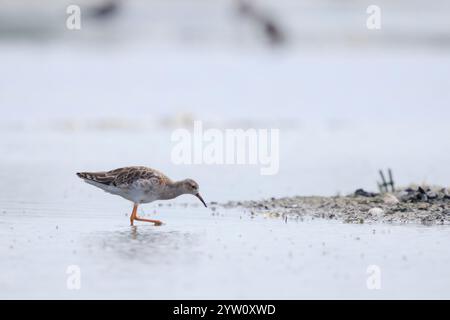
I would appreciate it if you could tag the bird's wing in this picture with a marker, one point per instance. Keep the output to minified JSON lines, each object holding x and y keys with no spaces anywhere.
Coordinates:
{"x":99,"y":177}
{"x":125,"y":177}
{"x":129,"y":175}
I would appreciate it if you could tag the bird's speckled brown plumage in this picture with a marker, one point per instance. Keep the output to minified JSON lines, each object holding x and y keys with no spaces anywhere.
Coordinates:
{"x":140,"y":185}
{"x":125,"y":177}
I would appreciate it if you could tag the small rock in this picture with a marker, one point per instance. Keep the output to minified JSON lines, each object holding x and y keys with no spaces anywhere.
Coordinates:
{"x":423,"y":206}
{"x":273,"y":215}
{"x":390,"y":199}
{"x":431,"y":195}
{"x":405,"y":195}
{"x":444,"y":193}
{"x":376,"y":212}
{"x":363,"y":193}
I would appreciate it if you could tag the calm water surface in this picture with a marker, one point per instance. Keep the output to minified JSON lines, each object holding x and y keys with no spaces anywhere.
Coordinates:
{"x":50,"y":220}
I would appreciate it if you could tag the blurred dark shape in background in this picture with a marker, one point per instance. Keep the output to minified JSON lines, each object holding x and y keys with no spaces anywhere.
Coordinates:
{"x":301,"y":23}
{"x":106,"y":10}
{"x":270,"y":26}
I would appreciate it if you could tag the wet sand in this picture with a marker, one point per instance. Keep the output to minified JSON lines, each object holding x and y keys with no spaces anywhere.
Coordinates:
{"x":385,"y":208}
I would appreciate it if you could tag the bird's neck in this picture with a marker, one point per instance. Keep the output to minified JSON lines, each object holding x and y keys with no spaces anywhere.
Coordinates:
{"x":172,"y":190}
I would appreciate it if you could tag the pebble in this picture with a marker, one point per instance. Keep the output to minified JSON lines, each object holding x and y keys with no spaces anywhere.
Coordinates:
{"x":364,"y":193}
{"x":376,"y":212}
{"x":423,"y":206}
{"x":390,"y":199}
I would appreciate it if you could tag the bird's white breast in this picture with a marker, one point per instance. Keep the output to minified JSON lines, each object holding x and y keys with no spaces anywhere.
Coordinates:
{"x":141,"y":191}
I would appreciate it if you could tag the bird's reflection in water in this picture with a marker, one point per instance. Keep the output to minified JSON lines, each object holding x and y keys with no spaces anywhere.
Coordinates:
{"x":134,"y":232}
{"x":146,"y":245}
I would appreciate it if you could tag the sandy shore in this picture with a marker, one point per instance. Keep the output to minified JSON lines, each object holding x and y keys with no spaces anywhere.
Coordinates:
{"x":405,"y":206}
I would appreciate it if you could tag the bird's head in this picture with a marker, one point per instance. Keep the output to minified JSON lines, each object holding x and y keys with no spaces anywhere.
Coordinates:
{"x":189,"y":186}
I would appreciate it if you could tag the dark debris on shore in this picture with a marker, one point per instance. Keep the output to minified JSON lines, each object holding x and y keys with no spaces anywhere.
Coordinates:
{"x":415,"y":204}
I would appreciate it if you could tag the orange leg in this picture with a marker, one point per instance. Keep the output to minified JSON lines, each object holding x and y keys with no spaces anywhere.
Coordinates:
{"x":135,"y":217}
{"x":133,"y":214}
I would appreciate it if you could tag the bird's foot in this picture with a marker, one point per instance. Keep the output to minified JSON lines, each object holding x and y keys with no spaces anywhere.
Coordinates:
{"x":155,"y":222}
{"x":158,"y":223}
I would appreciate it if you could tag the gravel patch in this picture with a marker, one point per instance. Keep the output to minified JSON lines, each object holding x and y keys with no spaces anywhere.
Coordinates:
{"x":410,"y":205}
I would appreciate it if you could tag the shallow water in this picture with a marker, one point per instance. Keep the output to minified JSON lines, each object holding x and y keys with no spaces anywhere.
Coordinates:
{"x":223,"y":254}
{"x":50,"y":220}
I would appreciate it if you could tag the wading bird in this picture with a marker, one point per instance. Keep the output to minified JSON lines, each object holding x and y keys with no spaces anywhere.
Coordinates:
{"x":140,"y":185}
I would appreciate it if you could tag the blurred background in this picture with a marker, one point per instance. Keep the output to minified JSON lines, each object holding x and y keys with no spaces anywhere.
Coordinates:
{"x":347,"y":100}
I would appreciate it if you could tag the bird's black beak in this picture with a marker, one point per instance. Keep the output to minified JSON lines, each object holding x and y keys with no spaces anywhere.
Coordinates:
{"x":201,"y":199}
